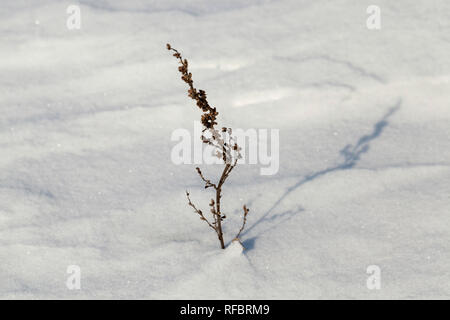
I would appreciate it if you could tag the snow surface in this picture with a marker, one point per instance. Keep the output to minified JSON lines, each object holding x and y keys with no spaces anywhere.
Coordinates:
{"x":86,"y":177}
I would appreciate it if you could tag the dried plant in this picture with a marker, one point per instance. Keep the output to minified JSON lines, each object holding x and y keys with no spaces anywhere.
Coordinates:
{"x":221,"y":141}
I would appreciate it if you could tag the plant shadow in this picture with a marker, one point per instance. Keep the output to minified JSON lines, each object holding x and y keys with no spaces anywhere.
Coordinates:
{"x":351,"y":155}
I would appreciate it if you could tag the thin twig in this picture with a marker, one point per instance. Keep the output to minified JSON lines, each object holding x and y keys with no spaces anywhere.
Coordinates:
{"x":200,"y":213}
{"x":243,"y":222}
{"x":208,"y":183}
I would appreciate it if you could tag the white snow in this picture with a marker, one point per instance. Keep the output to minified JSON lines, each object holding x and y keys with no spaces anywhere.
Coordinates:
{"x":86,"y":178}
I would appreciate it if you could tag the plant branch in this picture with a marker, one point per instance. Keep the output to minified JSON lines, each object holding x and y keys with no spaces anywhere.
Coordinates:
{"x":243,"y":221}
{"x":200,"y":213}
{"x":208,"y":183}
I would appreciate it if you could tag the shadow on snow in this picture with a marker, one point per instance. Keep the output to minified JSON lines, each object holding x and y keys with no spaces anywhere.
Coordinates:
{"x":351,"y":155}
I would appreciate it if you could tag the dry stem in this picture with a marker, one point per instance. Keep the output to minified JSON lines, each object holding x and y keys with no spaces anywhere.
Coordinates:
{"x":244,"y":220}
{"x":225,"y":145}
